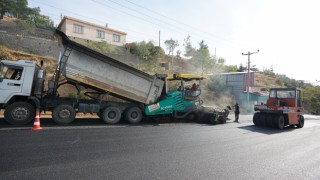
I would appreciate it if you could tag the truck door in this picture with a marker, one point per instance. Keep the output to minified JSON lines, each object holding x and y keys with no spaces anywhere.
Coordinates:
{"x":10,"y":81}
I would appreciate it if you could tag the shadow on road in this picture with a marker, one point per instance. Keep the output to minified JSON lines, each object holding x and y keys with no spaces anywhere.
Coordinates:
{"x":94,"y":123}
{"x":266,"y":130}
{"x":78,"y":122}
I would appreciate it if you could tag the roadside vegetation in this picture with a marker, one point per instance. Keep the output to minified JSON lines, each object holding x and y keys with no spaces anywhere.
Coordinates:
{"x":25,"y":17}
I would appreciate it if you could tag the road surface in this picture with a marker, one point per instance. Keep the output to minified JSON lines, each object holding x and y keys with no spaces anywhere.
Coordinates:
{"x":92,"y":150}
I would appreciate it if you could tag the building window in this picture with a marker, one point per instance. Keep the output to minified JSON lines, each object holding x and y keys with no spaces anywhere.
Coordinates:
{"x":78,"y":28}
{"x":116,"y":38}
{"x":100,"y":34}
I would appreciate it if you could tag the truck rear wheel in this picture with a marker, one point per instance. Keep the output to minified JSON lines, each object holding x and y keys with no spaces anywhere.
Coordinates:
{"x":111,"y":115}
{"x":301,"y":122}
{"x":133,"y":115}
{"x":19,"y":113}
{"x":63,"y":114}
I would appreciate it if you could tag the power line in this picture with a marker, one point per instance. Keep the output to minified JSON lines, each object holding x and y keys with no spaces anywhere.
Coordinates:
{"x":153,"y":36}
{"x":131,"y":15}
{"x":86,"y":17}
{"x":181,"y":30}
{"x":176,"y":21}
{"x":116,"y":10}
{"x":157,"y":19}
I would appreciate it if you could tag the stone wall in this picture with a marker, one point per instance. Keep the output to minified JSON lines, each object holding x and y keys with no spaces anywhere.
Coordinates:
{"x":34,"y":41}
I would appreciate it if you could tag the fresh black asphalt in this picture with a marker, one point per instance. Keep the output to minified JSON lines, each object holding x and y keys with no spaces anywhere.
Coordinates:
{"x":160,"y":151}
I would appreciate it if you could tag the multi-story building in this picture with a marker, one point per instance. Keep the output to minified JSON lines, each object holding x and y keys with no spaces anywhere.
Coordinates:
{"x":78,"y":29}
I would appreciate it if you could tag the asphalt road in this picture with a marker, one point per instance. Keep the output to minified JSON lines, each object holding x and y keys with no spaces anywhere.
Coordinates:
{"x":91,"y":150}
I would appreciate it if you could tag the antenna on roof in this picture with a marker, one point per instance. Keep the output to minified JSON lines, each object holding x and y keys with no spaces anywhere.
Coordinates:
{"x":106,"y":24}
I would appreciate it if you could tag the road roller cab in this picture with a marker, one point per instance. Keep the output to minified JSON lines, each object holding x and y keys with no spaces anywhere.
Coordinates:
{"x":284,"y":107}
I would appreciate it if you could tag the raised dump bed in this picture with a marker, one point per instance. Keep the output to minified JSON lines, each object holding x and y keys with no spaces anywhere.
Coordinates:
{"x":100,"y":71}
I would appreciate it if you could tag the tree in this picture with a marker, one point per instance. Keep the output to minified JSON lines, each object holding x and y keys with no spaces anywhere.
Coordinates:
{"x":203,"y":45}
{"x":221,"y":61}
{"x":141,"y":50}
{"x":171,"y":45}
{"x":231,"y":68}
{"x":312,"y":99}
{"x":178,"y":56}
{"x":203,"y":59}
{"x":217,"y":84}
{"x":241,"y":68}
{"x":189,"y":50}
{"x":147,"y":51}
{"x":102,"y":47}
{"x":6,"y":6}
{"x":254,"y":68}
{"x":25,"y":15}
{"x":269,"y":72}
{"x":21,"y":9}
{"x":18,"y":8}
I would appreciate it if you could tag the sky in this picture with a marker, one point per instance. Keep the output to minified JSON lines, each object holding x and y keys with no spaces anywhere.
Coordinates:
{"x":286,"y":32}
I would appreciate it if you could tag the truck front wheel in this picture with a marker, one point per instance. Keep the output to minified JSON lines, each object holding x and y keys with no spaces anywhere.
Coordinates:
{"x":111,"y":115}
{"x":280,"y":122}
{"x":63,"y":114}
{"x":19,"y":113}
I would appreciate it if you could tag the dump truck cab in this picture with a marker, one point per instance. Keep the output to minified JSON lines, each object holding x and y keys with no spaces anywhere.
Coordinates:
{"x":182,"y":100}
{"x":15,"y":79}
{"x":284,"y":107}
{"x":21,"y":84}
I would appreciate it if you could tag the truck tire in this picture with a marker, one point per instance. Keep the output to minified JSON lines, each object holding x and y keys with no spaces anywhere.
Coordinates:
{"x":63,"y":114}
{"x":133,"y":115}
{"x":280,"y":121}
{"x":269,"y":120}
{"x":262,"y":119}
{"x":19,"y":113}
{"x":256,"y":119}
{"x":301,"y":122}
{"x":111,"y":115}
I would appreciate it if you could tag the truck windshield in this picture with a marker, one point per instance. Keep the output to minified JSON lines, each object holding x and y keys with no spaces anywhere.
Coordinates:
{"x":284,"y":94}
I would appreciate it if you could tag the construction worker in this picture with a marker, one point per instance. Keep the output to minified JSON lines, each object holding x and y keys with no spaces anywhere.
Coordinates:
{"x":195,"y":86}
{"x":236,"y":112}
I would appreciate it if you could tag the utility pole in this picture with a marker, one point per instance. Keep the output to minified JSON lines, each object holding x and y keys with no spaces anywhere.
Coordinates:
{"x":248,"y":77}
{"x":159,"y":39}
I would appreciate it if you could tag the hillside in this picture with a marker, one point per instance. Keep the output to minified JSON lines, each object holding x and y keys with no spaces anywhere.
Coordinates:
{"x":262,"y":80}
